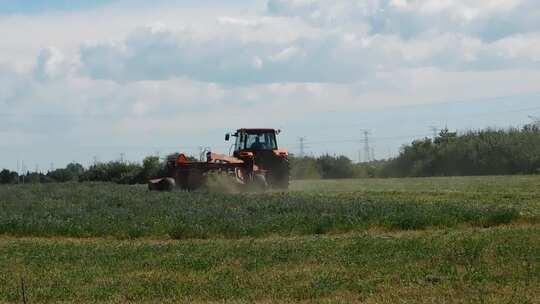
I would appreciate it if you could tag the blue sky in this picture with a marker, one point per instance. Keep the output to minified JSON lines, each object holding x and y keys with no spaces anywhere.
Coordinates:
{"x":94,"y":79}
{"x":37,"y":6}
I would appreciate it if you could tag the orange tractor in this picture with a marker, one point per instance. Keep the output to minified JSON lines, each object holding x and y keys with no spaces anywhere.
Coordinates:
{"x":256,"y":162}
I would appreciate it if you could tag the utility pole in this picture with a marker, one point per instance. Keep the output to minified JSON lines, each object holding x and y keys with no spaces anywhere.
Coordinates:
{"x":95,"y":160}
{"x":122,"y":155}
{"x":18,"y":171}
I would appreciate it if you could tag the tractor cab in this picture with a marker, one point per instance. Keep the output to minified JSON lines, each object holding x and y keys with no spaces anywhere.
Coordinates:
{"x":260,"y":144}
{"x":254,"y":140}
{"x":259,"y":147}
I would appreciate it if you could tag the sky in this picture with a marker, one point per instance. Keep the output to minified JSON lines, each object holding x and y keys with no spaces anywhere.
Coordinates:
{"x":102,"y":80}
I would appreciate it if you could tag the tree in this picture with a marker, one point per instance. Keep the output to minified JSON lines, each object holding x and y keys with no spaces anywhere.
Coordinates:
{"x":8,"y":177}
{"x":72,"y":172}
{"x":482,"y":152}
{"x":304,"y":168}
{"x":335,"y":166}
{"x":151,"y":167}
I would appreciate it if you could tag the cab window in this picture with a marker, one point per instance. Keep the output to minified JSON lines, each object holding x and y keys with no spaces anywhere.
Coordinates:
{"x":257,"y":141}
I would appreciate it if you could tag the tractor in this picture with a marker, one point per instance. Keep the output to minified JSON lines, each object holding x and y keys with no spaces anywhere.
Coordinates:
{"x":256,"y":163}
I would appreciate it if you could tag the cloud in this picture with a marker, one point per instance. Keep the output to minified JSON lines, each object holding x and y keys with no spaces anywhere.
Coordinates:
{"x":239,"y":21}
{"x":488,"y":20}
{"x":50,"y":64}
{"x":333,"y":56}
{"x":286,"y":54}
{"x":223,"y":58}
{"x":301,"y":41}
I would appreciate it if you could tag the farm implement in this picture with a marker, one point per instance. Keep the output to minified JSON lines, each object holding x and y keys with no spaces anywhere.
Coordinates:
{"x":256,"y":163}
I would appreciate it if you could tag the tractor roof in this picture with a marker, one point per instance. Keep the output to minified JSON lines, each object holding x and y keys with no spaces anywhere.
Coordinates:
{"x":256,"y":130}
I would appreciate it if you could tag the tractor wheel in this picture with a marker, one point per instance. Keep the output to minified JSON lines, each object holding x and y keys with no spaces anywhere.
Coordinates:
{"x":279,"y":175}
{"x":259,"y":181}
{"x":190,"y":179}
{"x":257,"y":184}
{"x":163,"y":184}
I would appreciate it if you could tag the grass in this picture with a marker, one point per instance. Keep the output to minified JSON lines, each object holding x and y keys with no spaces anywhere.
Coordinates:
{"x":99,"y":210}
{"x":499,"y":265}
{"x":424,"y":240}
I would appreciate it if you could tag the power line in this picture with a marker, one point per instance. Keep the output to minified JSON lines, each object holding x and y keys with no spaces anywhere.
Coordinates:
{"x":371,"y":139}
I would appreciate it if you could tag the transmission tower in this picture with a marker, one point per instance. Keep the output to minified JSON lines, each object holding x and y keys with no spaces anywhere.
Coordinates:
{"x":435,"y":130}
{"x":367,"y":149}
{"x":23,"y":168}
{"x":535,"y":120}
{"x":302,"y":141}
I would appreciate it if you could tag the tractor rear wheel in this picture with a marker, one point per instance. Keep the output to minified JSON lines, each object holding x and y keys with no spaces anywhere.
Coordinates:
{"x":258,"y":184}
{"x":279,"y":175}
{"x":190,"y":179}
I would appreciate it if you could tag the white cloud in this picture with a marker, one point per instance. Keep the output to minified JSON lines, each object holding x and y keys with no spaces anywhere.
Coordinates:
{"x":524,"y":47}
{"x":488,"y":20}
{"x":51,"y":63}
{"x":330,"y":57}
{"x":286,"y":54}
{"x":257,"y":62}
{"x":238,"y":22}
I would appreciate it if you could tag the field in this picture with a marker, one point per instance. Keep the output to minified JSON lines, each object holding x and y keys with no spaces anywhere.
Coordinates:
{"x":423,"y":240}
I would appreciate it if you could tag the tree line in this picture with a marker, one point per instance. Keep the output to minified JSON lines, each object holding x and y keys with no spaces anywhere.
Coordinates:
{"x":114,"y":171}
{"x":481,"y":152}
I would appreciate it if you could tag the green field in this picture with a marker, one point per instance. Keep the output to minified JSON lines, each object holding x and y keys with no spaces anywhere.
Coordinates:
{"x":422,"y":240}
